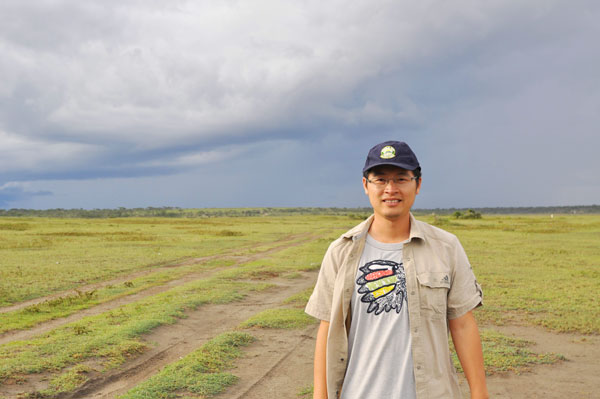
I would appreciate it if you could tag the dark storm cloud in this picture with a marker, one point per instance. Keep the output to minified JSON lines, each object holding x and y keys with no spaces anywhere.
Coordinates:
{"x":131,"y":89}
{"x":11,"y":193}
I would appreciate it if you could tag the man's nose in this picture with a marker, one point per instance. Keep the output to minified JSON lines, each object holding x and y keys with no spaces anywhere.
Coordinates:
{"x":391,"y":186}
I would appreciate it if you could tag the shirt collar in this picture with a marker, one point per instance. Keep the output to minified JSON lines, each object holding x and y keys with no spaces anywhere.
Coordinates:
{"x":362,"y":229}
{"x":359,"y":230}
{"x":415,"y":229}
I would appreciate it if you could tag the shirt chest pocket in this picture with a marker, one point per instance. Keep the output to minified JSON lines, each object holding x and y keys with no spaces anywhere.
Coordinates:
{"x":433,"y":292}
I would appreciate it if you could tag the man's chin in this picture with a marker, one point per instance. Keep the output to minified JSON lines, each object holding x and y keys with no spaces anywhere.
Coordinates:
{"x":392,"y":215}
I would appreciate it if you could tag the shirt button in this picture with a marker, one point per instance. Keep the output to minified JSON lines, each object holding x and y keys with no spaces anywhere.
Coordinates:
{"x":412,"y":293}
{"x":415,"y":330}
{"x":419,"y":367}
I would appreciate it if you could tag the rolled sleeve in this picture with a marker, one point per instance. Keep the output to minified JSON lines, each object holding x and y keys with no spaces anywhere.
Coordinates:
{"x":320,"y":302}
{"x":465,"y":294}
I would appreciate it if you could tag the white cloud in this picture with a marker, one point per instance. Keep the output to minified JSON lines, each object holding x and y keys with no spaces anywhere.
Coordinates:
{"x":197,"y":158}
{"x":22,"y":154}
{"x":145,"y":73}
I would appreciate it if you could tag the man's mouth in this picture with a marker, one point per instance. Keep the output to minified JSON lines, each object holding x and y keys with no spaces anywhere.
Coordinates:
{"x":392,"y":201}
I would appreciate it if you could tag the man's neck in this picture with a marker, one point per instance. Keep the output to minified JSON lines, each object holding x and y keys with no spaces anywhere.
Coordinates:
{"x":390,"y":231}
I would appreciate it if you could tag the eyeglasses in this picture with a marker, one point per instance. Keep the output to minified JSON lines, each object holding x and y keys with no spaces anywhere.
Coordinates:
{"x":400,"y":181}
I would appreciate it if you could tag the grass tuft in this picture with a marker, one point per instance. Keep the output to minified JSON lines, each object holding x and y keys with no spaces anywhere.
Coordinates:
{"x":279,"y":318}
{"x":300,"y":299}
{"x":202,"y":372}
{"x":68,"y":381}
{"x":506,"y":354}
{"x":306,"y":392}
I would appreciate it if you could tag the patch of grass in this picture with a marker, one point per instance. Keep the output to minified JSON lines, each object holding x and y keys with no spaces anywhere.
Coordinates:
{"x":503,"y":354}
{"x":536,"y":269}
{"x":202,"y":372}
{"x":300,"y":299}
{"x":279,"y":318}
{"x":306,"y":392}
{"x":306,"y":257}
{"x":68,"y":381}
{"x":63,"y":306}
{"x":114,"y":336}
{"x":15,"y":226}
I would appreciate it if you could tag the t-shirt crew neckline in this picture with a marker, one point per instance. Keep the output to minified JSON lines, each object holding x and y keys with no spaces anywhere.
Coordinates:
{"x":386,"y":246}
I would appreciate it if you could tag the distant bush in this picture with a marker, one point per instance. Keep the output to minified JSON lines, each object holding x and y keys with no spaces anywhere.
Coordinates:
{"x":358,"y":216}
{"x":438,"y":220}
{"x":229,"y":233}
{"x":469,"y":214}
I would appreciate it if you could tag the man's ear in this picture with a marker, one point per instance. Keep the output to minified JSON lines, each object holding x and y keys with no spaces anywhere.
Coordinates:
{"x":365,"y":185}
{"x":419,"y":181}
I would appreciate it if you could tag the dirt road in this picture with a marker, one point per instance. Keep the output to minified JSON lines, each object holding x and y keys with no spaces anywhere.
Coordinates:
{"x":286,"y":367}
{"x":41,"y":328}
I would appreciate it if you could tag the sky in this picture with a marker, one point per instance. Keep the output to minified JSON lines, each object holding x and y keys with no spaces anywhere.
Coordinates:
{"x":267,"y":103}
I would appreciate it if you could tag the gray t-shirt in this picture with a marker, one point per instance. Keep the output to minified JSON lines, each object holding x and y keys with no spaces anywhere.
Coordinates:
{"x":380,"y":362}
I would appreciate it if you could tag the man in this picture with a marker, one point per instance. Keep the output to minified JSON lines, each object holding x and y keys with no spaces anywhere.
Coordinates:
{"x":388,"y":292}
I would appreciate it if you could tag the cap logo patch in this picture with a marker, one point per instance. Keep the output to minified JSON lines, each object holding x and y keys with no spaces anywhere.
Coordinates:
{"x":388,"y":152}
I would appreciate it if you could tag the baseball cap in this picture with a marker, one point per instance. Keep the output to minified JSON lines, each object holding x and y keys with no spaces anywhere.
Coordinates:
{"x":393,"y":153}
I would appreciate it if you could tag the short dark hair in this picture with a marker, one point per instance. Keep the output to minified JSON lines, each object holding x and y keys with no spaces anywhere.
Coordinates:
{"x":416,"y":173}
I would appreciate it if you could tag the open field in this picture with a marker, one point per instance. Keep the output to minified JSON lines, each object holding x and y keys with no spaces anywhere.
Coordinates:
{"x":197,"y":307}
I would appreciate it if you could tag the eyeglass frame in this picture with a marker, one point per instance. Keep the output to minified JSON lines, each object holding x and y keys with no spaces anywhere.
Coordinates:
{"x":395,"y":180}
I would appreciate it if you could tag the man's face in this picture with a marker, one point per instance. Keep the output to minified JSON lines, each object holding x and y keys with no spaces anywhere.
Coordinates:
{"x":392,"y":200}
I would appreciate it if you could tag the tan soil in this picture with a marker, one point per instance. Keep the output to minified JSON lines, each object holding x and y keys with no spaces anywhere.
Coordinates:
{"x":576,"y":378}
{"x":279,"y":365}
{"x":41,"y":328}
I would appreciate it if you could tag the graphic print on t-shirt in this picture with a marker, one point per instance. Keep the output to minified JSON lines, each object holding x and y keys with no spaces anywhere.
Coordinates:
{"x":383,"y":284}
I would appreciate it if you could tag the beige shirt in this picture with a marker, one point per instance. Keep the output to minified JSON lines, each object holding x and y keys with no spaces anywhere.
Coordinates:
{"x":440,"y":285}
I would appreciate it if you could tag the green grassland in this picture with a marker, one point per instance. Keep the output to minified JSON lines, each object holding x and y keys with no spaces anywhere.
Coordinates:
{"x":65,"y":305}
{"x":40,"y":256}
{"x":533,"y":269}
{"x":111,"y":337}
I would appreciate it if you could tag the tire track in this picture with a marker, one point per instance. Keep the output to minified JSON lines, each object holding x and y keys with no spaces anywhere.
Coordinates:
{"x":149,"y":269}
{"x":283,"y":373}
{"x":172,"y":342}
{"x":267,"y":371}
{"x":47,"y":326}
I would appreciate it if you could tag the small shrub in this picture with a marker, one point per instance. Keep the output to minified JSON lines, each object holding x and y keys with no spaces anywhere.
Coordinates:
{"x":80,"y":330}
{"x":229,"y":233}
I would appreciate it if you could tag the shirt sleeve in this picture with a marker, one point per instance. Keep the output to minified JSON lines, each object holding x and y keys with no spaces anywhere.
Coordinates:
{"x":465,"y":293}
{"x":320,"y":302}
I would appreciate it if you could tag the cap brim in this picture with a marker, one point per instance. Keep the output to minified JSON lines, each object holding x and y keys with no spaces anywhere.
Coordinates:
{"x":396,"y":164}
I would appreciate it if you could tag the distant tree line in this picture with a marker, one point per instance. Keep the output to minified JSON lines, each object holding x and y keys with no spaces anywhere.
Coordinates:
{"x":356,"y":213}
{"x":576,"y":209}
{"x":176,"y":212}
